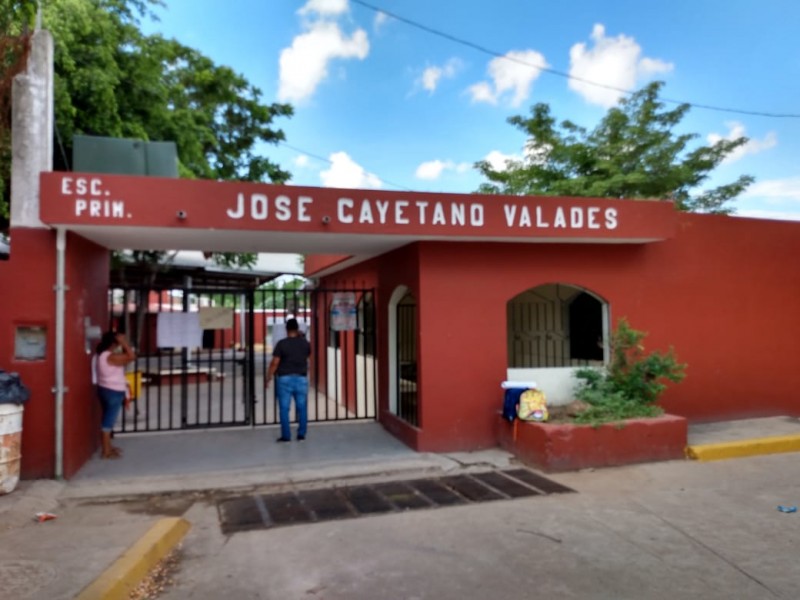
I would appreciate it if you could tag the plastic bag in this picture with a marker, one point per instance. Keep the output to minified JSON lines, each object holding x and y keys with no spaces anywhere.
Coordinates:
{"x":12,"y":390}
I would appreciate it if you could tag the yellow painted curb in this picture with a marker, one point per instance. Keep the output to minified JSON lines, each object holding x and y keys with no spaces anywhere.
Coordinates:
{"x":129,"y":569}
{"x":740,"y":448}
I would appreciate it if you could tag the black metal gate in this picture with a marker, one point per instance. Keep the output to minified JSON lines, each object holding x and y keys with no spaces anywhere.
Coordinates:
{"x":203,"y":354}
{"x":406,"y":352}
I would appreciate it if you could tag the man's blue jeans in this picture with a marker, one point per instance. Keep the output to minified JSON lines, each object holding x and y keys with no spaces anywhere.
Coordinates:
{"x":288,"y":387}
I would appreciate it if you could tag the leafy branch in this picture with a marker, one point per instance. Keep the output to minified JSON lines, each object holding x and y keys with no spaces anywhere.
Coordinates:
{"x":633,"y":382}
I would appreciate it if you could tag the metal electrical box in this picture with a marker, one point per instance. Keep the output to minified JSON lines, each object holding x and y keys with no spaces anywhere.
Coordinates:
{"x":92,"y":154}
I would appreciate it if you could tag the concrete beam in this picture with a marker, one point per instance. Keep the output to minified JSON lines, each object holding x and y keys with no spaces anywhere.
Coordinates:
{"x":31,"y":131}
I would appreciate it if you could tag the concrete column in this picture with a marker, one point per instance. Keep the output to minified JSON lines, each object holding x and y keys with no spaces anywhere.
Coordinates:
{"x":31,"y":131}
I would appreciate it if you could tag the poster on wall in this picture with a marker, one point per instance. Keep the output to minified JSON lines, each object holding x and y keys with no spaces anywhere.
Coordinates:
{"x":344,"y":311}
{"x":179,"y":330}
{"x":216,"y":317}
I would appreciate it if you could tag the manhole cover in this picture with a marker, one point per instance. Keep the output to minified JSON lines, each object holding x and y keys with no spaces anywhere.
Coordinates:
{"x":312,"y":506}
{"x":21,"y":578}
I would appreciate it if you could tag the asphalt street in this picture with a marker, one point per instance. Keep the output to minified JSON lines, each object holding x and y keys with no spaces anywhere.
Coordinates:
{"x":669,"y":530}
{"x":678,"y":529}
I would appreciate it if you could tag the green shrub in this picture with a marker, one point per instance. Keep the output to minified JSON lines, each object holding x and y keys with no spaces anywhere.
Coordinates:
{"x":632,"y":383}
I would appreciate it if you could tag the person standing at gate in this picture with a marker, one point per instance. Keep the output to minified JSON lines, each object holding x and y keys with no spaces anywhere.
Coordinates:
{"x":113,"y":354}
{"x":289,"y":366}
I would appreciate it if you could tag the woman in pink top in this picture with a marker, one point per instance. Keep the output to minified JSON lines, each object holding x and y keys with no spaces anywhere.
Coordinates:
{"x":113,"y":353}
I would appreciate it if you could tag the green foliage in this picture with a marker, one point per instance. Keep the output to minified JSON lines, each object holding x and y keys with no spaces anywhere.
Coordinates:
{"x":632,"y":153}
{"x":16,"y":22}
{"x":16,"y":16}
{"x":148,"y":87}
{"x":632,"y":383}
{"x":233,"y":260}
{"x":283,"y":298}
{"x":112,"y":80}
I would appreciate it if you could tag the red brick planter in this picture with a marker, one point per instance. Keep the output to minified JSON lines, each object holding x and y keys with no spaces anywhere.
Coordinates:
{"x":566,"y":447}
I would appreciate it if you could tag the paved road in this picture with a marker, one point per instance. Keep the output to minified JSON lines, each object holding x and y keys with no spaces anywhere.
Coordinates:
{"x":669,"y":530}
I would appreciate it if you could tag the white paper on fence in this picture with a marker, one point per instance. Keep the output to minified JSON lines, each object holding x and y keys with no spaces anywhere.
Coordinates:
{"x":344,"y":311}
{"x":216,"y":317}
{"x":179,"y":330}
{"x":507,"y":385}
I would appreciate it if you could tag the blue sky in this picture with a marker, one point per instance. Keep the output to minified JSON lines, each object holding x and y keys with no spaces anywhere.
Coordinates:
{"x":382,"y":104}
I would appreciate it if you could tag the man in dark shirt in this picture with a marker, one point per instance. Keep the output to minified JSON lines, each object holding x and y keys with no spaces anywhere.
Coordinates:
{"x":289,"y":366}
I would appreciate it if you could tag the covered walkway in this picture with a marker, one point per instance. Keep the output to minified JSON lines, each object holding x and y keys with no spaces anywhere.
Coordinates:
{"x":215,"y":459}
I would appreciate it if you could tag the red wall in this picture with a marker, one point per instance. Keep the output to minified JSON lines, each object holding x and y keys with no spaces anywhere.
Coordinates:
{"x":725,"y":293}
{"x":87,"y":268}
{"x":385,"y":273}
{"x":28,"y":298}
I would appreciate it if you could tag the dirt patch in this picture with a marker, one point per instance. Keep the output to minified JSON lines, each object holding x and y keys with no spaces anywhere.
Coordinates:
{"x":566,"y":414}
{"x":160,"y":579}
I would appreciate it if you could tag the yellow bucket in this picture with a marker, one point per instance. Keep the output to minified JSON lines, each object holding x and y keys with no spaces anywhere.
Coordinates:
{"x":134,"y":383}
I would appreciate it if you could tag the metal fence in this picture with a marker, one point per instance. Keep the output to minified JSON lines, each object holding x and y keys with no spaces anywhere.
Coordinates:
{"x":217,"y":380}
{"x":407,"y":404}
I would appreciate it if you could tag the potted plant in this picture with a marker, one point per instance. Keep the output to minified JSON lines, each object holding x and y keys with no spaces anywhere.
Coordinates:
{"x":631,"y":384}
{"x":620,"y":421}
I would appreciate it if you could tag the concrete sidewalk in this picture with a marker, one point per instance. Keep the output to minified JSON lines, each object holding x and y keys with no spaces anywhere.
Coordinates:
{"x":173,"y":474}
{"x":746,"y":437}
{"x":96,"y":522}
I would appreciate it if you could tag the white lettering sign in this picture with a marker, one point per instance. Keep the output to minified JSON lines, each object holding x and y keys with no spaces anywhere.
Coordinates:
{"x":368,"y":211}
{"x":259,"y":207}
{"x":92,"y":199}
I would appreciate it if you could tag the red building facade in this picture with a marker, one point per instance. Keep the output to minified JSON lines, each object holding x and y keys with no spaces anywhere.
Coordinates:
{"x":723,"y":291}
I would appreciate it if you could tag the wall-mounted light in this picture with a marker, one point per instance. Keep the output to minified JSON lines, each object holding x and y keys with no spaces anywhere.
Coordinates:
{"x":181,"y":214}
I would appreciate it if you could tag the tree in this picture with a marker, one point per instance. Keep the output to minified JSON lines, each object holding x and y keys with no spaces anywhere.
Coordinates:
{"x":283,"y":294}
{"x":16,"y":16}
{"x":632,"y":383}
{"x":112,"y":80}
{"x":633,"y":152}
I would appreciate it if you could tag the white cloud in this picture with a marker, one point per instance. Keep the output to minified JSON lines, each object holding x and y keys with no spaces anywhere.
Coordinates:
{"x":304,"y":65}
{"x":776,"y":191}
{"x":301,"y":161}
{"x":753,"y":146}
{"x":381,"y":18}
{"x":499,"y":161}
{"x":433,"y":169}
{"x":344,"y":172}
{"x":325,"y":7}
{"x":772,"y":199}
{"x":769,"y":214}
{"x":430,"y":78}
{"x":430,"y":170}
{"x":512,"y":74}
{"x":613,"y":61}
{"x":482,"y":92}
{"x":432,"y":75}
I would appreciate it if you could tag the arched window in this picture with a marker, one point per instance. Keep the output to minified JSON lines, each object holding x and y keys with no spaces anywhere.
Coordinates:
{"x":556,"y":325}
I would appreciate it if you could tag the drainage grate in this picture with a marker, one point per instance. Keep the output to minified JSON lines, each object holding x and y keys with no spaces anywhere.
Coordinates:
{"x":541,"y":483}
{"x":310,"y":506}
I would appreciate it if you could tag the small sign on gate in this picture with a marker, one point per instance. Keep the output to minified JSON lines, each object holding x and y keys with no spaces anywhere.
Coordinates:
{"x":343,"y":311}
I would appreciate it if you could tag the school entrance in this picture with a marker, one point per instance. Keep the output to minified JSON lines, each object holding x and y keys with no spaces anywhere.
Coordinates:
{"x":203,"y":354}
